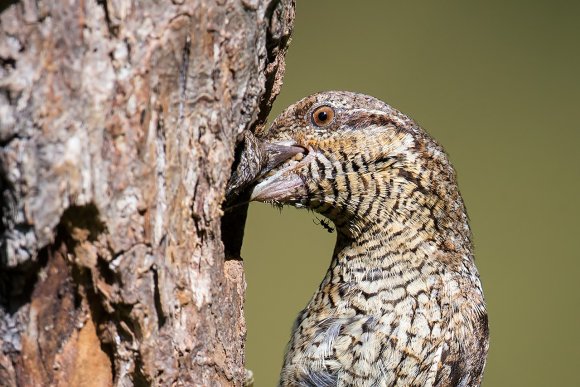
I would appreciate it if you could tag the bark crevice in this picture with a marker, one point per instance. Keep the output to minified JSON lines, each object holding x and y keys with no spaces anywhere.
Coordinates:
{"x":17,"y":283}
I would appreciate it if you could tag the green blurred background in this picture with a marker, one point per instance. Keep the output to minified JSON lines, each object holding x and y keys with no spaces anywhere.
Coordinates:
{"x":498,"y":84}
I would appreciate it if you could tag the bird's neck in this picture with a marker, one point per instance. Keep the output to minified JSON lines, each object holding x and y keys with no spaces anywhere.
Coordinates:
{"x":388,"y":250}
{"x":389,"y":263}
{"x":390,"y":237}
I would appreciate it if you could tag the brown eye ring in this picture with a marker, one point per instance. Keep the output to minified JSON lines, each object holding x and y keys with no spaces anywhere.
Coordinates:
{"x":322,"y":116}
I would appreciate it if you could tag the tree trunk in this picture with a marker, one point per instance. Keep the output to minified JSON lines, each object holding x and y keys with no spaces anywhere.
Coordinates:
{"x":118,"y":127}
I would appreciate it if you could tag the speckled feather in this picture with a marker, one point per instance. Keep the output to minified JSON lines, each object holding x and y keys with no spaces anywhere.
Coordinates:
{"x":401,"y":304}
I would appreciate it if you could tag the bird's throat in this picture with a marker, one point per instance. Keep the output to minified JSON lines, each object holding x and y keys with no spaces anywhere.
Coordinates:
{"x":376,"y":269}
{"x":402,"y":247}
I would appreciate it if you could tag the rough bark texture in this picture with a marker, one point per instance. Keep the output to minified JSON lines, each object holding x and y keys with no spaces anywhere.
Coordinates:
{"x":118,"y":126}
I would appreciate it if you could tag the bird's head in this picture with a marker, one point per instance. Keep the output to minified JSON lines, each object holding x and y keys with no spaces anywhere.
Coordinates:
{"x":361,"y":159}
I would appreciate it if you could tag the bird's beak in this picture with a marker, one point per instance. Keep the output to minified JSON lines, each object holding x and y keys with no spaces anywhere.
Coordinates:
{"x":279,"y":153}
{"x":278,"y":183}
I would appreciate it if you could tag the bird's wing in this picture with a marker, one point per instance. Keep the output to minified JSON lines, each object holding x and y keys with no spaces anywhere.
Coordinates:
{"x":319,"y":361}
{"x":464,"y":346}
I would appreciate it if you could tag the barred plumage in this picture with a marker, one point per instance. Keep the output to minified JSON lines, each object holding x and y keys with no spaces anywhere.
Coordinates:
{"x":401,"y":304}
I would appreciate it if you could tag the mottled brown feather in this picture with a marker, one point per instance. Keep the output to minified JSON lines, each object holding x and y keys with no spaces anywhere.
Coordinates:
{"x":401,"y":303}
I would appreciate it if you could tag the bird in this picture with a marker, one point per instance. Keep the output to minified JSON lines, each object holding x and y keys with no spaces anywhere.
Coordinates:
{"x":401,"y":303}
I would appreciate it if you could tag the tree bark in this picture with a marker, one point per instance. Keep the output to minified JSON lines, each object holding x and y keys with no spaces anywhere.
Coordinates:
{"x":118,"y":130}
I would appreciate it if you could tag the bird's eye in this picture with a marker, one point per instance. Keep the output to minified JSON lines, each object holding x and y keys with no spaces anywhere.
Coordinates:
{"x":323,"y":116}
